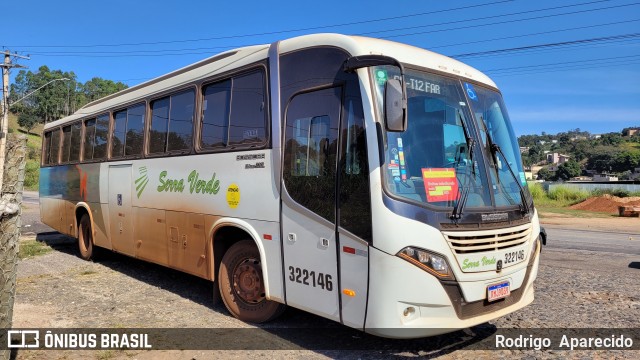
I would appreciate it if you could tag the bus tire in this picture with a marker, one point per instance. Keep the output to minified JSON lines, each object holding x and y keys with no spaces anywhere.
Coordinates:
{"x":85,"y":238}
{"x":242,"y":287}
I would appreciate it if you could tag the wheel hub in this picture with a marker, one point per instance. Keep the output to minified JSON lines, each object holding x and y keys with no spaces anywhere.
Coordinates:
{"x":247,"y":281}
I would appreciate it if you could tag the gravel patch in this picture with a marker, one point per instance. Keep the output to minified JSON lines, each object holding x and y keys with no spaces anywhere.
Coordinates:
{"x":575,"y":288}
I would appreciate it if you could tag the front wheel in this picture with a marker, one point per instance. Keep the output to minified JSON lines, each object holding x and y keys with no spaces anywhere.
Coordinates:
{"x":242,"y":287}
{"x":85,"y":238}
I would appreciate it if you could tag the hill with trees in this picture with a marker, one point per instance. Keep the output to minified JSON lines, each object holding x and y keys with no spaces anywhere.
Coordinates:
{"x":45,"y":103}
{"x":57,"y":99}
{"x":616,"y":153}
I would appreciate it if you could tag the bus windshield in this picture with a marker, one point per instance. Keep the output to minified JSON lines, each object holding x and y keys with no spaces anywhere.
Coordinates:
{"x":437,"y":161}
{"x":494,"y":127}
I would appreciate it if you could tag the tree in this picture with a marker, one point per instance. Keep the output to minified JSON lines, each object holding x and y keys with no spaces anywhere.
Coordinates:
{"x":545,"y":174}
{"x":28,"y":121}
{"x":49,"y":102}
{"x":568,"y":170}
{"x":58,"y":98}
{"x":97,"y":88}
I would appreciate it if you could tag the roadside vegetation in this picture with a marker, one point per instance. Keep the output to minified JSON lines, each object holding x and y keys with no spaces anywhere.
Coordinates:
{"x":561,"y":198}
{"x":34,"y":144}
{"x":31,"y":248}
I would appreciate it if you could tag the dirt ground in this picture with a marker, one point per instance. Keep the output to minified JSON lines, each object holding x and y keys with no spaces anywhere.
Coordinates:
{"x":614,"y":224}
{"x":59,"y":290}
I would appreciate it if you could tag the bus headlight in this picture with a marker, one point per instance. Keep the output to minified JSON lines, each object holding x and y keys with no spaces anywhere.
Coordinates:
{"x":432,"y":263}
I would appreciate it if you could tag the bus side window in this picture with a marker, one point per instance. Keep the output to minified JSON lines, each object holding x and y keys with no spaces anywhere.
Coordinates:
{"x":172,"y":123}
{"x":247,"y":121}
{"x":89,"y":138}
{"x":55,"y":147}
{"x":215,"y":115}
{"x":135,"y":130}
{"x":66,"y":144}
{"x":101,"y":136}
{"x":76,"y":141}
{"x":233,"y":112}
{"x":117,"y":134}
{"x":181,"y":121}
{"x":46,"y":148}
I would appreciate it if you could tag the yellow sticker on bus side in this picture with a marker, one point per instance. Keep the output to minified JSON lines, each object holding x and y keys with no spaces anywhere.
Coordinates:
{"x":233,"y":196}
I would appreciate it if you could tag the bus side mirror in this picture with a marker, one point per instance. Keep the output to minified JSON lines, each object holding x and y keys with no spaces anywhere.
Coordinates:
{"x":395,"y":106}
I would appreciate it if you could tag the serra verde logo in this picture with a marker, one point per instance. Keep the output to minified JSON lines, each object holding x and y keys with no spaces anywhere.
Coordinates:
{"x":468,"y":264}
{"x":195,"y":184}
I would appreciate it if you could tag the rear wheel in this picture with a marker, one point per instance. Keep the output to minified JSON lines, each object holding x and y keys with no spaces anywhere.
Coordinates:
{"x":85,"y":238}
{"x":242,"y":287}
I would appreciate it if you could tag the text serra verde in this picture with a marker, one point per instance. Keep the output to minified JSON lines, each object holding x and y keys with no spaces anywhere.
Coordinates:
{"x":195,"y":184}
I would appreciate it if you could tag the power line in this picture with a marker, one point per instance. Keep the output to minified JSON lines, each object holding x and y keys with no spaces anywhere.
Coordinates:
{"x":82,"y":53}
{"x":547,"y":45}
{"x":485,"y":17}
{"x":275,"y":32}
{"x":533,"y":34}
{"x":561,"y":63}
{"x":501,"y":22}
{"x":190,"y":51}
{"x":568,"y":67}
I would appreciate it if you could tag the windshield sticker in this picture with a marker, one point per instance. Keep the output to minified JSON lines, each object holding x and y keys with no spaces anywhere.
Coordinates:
{"x":440,"y":184}
{"x":471,"y":92}
{"x":400,"y":158}
{"x":523,"y":178}
{"x":381,"y":76}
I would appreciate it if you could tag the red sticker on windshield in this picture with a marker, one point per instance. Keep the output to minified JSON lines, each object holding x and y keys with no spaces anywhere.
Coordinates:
{"x":440,"y":184}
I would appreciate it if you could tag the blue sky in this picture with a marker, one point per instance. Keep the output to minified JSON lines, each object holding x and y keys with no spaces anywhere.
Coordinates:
{"x":591,"y":85}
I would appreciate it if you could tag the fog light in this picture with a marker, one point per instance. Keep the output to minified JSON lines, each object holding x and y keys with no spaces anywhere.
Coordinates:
{"x":409,"y":311}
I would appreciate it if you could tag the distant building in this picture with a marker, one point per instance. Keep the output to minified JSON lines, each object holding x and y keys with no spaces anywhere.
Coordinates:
{"x":524,"y":149}
{"x":581,"y":178}
{"x":604,"y":177}
{"x":596,"y":136}
{"x":541,"y":142}
{"x":630,"y":131}
{"x":579,"y":137}
{"x":557,"y":158}
{"x":554,"y":141}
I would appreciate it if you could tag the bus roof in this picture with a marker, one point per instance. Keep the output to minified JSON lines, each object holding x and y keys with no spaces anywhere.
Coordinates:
{"x":355,"y":45}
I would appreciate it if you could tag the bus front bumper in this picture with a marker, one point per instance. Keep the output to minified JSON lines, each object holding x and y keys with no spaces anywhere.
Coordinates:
{"x":407,"y":302}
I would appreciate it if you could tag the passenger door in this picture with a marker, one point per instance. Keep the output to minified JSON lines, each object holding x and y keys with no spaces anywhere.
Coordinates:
{"x":309,"y":202}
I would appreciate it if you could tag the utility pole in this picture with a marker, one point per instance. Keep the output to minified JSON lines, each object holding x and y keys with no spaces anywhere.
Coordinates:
{"x":4,"y":129}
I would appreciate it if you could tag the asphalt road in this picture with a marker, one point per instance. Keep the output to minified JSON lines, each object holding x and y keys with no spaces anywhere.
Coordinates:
{"x":600,"y":241}
{"x":31,"y":223}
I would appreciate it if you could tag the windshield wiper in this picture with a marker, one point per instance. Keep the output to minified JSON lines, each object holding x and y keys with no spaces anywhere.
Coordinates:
{"x":495,"y":149}
{"x":463,"y":191}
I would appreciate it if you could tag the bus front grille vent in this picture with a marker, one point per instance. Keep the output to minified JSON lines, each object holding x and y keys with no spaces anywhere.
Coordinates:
{"x":465,"y":242}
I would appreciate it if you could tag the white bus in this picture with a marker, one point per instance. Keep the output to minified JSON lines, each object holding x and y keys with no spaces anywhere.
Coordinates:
{"x":369,"y":182}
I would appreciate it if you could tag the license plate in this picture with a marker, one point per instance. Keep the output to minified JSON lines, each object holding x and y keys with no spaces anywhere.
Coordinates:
{"x":498,"y":291}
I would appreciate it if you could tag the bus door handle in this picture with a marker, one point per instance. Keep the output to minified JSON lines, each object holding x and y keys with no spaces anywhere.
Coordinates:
{"x":291,"y":237}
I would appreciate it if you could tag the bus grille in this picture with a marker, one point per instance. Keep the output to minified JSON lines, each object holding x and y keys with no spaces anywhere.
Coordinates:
{"x":465,"y":242}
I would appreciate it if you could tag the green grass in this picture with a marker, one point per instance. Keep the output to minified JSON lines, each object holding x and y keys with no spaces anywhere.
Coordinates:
{"x":34,"y":144}
{"x":32,"y":175}
{"x":31,"y":248}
